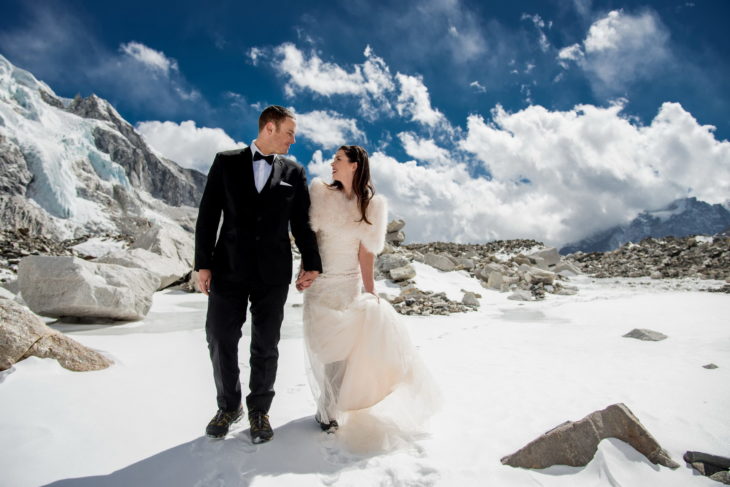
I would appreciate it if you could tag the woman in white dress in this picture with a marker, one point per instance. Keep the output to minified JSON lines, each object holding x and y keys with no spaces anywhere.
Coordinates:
{"x":365,"y":374}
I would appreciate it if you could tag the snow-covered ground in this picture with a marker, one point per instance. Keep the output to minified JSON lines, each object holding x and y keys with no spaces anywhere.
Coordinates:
{"x":508,"y":372}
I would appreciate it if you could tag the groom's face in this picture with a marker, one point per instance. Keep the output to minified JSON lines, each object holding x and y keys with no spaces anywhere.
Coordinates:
{"x":283,"y":136}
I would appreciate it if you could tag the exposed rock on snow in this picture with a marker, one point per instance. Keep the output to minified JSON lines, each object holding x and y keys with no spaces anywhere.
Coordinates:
{"x":71,"y":287}
{"x":470,"y":299}
{"x":402,"y":273}
{"x":713,"y":466}
{"x":669,"y":257}
{"x":168,"y":241}
{"x":440,"y":262}
{"x":23,"y":334}
{"x":646,"y":335}
{"x":710,"y":366}
{"x":166,"y":269}
{"x":575,"y":443}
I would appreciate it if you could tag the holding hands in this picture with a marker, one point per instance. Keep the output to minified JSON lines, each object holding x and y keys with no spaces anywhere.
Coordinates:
{"x":305,"y":279}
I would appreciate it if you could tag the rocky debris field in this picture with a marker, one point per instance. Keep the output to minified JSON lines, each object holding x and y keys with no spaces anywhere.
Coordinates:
{"x":659,"y":258}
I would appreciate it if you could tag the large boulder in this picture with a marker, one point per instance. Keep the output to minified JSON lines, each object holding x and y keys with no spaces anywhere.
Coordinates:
{"x":548,"y":256}
{"x":575,"y":443}
{"x":71,"y":287}
{"x":386,"y":262}
{"x":168,"y":241}
{"x":440,"y":262}
{"x":395,"y":226}
{"x":166,"y":269}
{"x":23,"y":334}
{"x":402,"y":273}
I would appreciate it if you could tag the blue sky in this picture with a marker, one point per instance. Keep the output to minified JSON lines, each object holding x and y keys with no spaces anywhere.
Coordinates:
{"x":475,"y":112}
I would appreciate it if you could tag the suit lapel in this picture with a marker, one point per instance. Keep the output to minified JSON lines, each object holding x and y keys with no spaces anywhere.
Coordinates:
{"x":247,"y":179}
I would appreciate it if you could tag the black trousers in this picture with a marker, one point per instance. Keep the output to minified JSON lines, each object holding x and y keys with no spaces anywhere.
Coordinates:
{"x":227,"y":305}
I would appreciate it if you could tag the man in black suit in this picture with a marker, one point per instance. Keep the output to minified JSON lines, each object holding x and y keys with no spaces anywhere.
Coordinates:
{"x":260,"y":194}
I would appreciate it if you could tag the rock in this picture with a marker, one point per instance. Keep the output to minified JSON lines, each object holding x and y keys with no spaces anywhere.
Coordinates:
{"x":439,"y":262}
{"x":521,"y":295}
{"x":537,"y":276}
{"x":564,"y":290}
{"x":656,"y":275}
{"x":712,"y":466}
{"x":495,"y":280}
{"x":23,"y":334}
{"x":72,"y":287}
{"x":402,"y":273}
{"x":646,"y":335}
{"x":395,"y":238}
{"x":166,"y":269}
{"x":5,"y":294}
{"x":566,"y":268}
{"x":575,"y":443}
{"x":466,"y":263}
{"x":11,"y":286}
{"x":710,"y":366}
{"x":470,"y":299}
{"x":395,"y":226}
{"x":386,"y":262}
{"x":168,"y":241}
{"x":550,"y":256}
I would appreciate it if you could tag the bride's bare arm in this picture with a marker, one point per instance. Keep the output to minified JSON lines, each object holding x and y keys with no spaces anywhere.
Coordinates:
{"x":367,"y":261}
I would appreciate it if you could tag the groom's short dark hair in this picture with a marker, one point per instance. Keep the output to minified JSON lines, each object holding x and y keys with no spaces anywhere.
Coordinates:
{"x":274,"y":113}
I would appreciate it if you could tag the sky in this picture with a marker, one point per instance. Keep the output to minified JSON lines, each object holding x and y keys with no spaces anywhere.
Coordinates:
{"x":484,"y":119}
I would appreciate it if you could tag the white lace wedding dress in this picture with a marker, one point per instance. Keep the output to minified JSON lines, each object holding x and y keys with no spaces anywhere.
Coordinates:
{"x":364,"y":370}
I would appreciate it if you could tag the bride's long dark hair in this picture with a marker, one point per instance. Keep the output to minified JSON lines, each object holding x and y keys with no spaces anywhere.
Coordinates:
{"x":361,"y":185}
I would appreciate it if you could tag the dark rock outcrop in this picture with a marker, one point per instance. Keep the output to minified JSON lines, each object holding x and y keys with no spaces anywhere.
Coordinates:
{"x":575,"y":443}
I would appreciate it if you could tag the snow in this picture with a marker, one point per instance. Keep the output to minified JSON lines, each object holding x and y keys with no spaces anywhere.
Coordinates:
{"x":509,"y":372}
{"x":98,"y":246}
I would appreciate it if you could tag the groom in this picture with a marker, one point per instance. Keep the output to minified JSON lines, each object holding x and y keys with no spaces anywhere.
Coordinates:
{"x":260,"y":194}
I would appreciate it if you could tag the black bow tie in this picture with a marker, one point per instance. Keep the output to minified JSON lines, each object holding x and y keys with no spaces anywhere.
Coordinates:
{"x":259,"y":156}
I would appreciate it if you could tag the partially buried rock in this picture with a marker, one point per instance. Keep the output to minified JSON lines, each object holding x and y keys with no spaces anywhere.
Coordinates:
{"x":710,"y":366}
{"x":470,"y":299}
{"x":576,"y":443}
{"x":712,"y":466}
{"x":646,"y":335}
{"x":403,"y":273}
{"x":23,"y":334}
{"x":70,"y":287}
{"x":440,"y":262}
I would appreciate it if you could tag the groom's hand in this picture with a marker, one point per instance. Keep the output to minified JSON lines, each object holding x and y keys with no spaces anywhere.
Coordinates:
{"x":204,"y":276}
{"x":305,"y":279}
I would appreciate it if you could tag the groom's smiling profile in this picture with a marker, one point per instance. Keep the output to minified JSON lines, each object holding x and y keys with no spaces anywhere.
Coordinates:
{"x":260,"y":194}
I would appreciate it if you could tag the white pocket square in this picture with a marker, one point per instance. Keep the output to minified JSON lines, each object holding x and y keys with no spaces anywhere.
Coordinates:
{"x":284,"y":183}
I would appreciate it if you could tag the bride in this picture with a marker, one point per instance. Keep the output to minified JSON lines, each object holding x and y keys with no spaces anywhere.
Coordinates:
{"x":365,"y":374}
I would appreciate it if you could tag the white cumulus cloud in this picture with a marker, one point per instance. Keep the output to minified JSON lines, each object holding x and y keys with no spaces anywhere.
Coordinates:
{"x":555,"y":176}
{"x":189,"y":146}
{"x":619,"y":49}
{"x":415,"y":101}
{"x":155,"y":60}
{"x":329,"y":129}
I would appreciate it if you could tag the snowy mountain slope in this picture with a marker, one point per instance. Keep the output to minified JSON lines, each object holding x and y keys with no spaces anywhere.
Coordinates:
{"x":74,"y":167}
{"x":681,"y":218}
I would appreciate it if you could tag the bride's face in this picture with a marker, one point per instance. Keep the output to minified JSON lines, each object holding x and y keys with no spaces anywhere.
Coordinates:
{"x":342,"y":169}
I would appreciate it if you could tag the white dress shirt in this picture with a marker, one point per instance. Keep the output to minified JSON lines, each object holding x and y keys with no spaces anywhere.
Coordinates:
{"x":261,"y":168}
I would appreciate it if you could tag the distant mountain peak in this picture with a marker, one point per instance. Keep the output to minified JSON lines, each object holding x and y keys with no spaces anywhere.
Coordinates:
{"x":681,"y":218}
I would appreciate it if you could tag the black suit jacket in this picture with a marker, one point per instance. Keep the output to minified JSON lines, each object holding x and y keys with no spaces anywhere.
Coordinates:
{"x":253,"y":244}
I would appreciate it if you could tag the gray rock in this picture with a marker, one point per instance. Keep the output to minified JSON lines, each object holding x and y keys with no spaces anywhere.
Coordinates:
{"x":402,"y":273}
{"x":710,"y":366}
{"x":470,"y":299}
{"x":166,"y":269}
{"x":395,"y":238}
{"x":722,"y":477}
{"x":550,"y":256}
{"x":168,"y":241}
{"x":5,"y":294}
{"x":712,"y":466}
{"x":646,"y":335}
{"x":566,"y":268}
{"x":395,"y":226}
{"x":656,"y":275}
{"x":575,"y":443}
{"x":439,"y":262}
{"x":72,"y":287}
{"x":466,"y":263}
{"x":521,"y":295}
{"x":538,"y":276}
{"x":386,"y":262}
{"x":23,"y":334}
{"x":495,"y":280}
